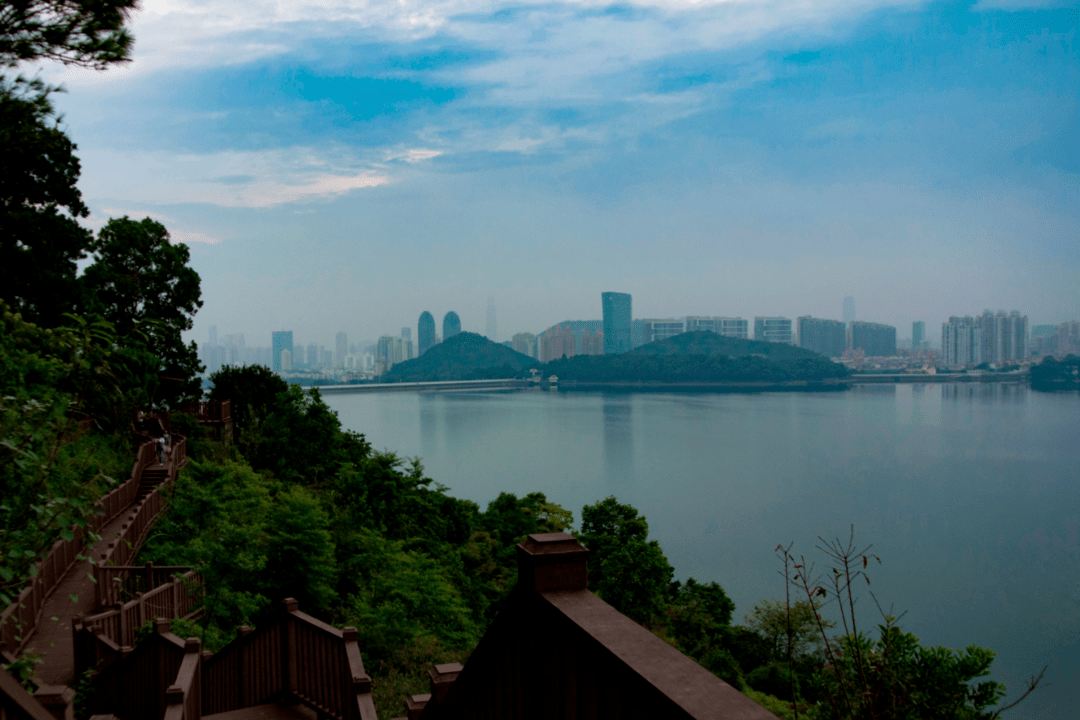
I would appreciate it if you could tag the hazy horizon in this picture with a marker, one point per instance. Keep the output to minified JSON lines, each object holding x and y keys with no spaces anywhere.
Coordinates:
{"x":340,"y":168}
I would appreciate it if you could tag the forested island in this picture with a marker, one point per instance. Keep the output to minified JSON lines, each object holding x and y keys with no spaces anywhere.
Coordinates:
{"x":693,"y":358}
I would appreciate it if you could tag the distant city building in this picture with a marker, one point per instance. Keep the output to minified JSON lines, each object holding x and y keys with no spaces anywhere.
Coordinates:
{"x":918,"y":335}
{"x":451,"y":325}
{"x":524,"y":343}
{"x":849,"y":310}
{"x":961,"y":342}
{"x":425,"y":332}
{"x":1057,"y":340}
{"x":491,"y":329}
{"x":326,"y":357}
{"x":637,"y":333}
{"x":873,"y":339}
{"x":313,"y":356}
{"x":406,"y":333}
{"x":213,"y":335}
{"x":726,"y":326}
{"x":1004,"y":336}
{"x":773,"y":329}
{"x":617,"y":313}
{"x":341,"y":349}
{"x":281,"y":340}
{"x":557,"y":342}
{"x":660,"y":329}
{"x":826,"y":337}
{"x":286,"y":361}
{"x":592,"y":343}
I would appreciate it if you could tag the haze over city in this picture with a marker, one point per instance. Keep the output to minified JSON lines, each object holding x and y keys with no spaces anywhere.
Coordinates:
{"x":345,"y":168}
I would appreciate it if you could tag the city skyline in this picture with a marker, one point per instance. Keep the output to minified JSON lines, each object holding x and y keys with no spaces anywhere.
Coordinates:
{"x":334,"y":166}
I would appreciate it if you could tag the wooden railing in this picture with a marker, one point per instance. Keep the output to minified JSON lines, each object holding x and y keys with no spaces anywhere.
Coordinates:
{"x":211,"y":411}
{"x":18,"y":620}
{"x":183,"y":699}
{"x":298,"y":656}
{"x":177,"y":598}
{"x":117,"y":584}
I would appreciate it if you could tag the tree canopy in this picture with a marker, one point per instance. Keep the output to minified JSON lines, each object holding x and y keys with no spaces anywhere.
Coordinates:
{"x":89,"y":33}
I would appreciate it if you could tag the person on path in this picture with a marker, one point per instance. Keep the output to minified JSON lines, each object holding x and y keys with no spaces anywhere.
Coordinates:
{"x":168,"y":446}
{"x":160,"y":443}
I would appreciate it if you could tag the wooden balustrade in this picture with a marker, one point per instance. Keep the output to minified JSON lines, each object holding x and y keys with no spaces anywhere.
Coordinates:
{"x":183,"y":699}
{"x":115,"y":584}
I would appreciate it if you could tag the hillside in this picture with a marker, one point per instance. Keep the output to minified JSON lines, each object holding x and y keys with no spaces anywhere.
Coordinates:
{"x":699,"y":357}
{"x":709,"y":343}
{"x":466,"y":356}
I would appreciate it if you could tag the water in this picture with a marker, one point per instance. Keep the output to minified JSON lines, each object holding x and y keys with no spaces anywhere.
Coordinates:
{"x":970,"y":493}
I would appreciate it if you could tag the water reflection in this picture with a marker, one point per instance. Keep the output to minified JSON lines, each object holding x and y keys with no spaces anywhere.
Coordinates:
{"x":993,"y":392}
{"x":618,"y":419}
{"x":431,"y":407}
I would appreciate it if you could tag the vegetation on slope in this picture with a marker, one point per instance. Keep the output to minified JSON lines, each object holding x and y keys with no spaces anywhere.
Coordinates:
{"x":465,"y":356}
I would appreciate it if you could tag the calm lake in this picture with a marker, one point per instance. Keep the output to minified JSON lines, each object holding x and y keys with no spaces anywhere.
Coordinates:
{"x":969,"y":493}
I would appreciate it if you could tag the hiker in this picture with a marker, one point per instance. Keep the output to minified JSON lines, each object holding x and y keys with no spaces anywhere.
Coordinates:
{"x":160,"y":443}
{"x":168,"y":446}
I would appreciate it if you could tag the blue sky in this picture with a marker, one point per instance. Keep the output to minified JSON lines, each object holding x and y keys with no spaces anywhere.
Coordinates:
{"x":346,"y":166}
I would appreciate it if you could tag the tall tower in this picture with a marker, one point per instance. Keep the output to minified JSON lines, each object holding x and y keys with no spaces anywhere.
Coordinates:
{"x":918,"y":335}
{"x":618,"y":313}
{"x":281,"y":340}
{"x":425,"y":332}
{"x":341,"y":349}
{"x":849,"y":309}
{"x":491,"y":320}
{"x":213,"y":336}
{"x":451,"y":325}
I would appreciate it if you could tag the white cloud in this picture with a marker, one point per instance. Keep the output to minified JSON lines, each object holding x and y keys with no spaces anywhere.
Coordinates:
{"x":276,"y":177}
{"x":182,"y":236}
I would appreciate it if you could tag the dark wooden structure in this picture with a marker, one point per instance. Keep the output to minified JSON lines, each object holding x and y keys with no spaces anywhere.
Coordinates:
{"x":215,"y":416}
{"x":558,"y":652}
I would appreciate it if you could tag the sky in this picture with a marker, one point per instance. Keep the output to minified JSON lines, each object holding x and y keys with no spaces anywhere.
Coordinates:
{"x":348,"y":165}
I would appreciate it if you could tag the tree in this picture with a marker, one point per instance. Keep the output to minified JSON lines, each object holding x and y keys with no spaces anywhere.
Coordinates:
{"x":625,"y":569}
{"x":773,"y":619}
{"x":143,"y":285}
{"x":252,"y":390}
{"x":40,"y":238}
{"x":89,"y":33}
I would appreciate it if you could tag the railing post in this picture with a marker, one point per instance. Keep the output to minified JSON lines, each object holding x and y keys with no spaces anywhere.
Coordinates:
{"x":552,"y":561}
{"x":149,"y":573}
{"x":289,"y":651}
{"x":140,"y":613}
{"x":120,"y":625}
{"x":58,"y":700}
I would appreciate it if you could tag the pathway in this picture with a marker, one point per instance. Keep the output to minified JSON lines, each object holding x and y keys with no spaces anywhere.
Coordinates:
{"x":75,"y":596}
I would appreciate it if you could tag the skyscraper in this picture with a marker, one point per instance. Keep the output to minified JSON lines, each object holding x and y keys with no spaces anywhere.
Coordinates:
{"x":451,"y":325}
{"x":827,"y":337}
{"x":617,"y":309}
{"x":281,"y":340}
{"x":849,"y":309}
{"x":406,"y":333}
{"x":874,"y":339}
{"x":341,"y":349}
{"x":313,"y":356}
{"x":918,"y":335}
{"x":213,"y":335}
{"x":491,"y":330}
{"x":425,"y":332}
{"x":773,"y":329}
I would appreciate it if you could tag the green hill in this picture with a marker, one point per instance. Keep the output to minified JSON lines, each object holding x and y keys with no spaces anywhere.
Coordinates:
{"x":709,"y":343}
{"x":699,"y":357}
{"x":465,"y":356}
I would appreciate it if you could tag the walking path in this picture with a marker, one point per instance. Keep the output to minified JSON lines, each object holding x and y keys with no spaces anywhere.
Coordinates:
{"x":74,"y":595}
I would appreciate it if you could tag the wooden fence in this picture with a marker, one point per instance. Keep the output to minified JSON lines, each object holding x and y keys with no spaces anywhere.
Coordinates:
{"x":183,"y":699}
{"x":18,"y":620}
{"x":120,"y":583}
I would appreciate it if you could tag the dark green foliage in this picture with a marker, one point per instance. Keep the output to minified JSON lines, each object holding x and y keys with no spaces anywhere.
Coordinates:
{"x":1053,"y":374}
{"x":672,"y":368}
{"x":709,"y":343}
{"x":40,"y":238}
{"x":465,"y":356}
{"x":90,"y":33}
{"x":626,"y":569}
{"x":142,"y":284}
{"x":699,"y":616}
{"x":299,"y":439}
{"x":774,"y":679}
{"x":252,"y":390}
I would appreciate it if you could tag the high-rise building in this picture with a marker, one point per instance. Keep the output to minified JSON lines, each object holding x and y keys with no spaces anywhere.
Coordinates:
{"x":849,"y":310}
{"x":384,"y":352}
{"x":727,"y":326}
{"x":918,"y":335}
{"x":617,"y":309}
{"x":773,"y":329}
{"x":874,"y":339}
{"x":425,"y":332}
{"x":661,"y":329}
{"x":556,"y":343}
{"x":524,"y":343}
{"x":827,"y":337}
{"x":592,"y":343}
{"x":961,"y":341}
{"x":213,"y":335}
{"x":491,"y":329}
{"x":1004,"y":336}
{"x":341,"y":349}
{"x":286,"y":360}
{"x":406,"y":333}
{"x":451,"y":325}
{"x":313,"y":356}
{"x":281,"y":340}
